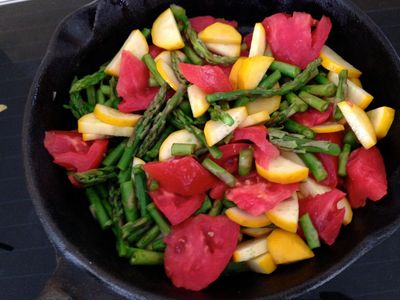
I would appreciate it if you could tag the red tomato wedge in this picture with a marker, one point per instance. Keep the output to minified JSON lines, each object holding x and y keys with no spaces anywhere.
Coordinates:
{"x":184,"y":176}
{"x":71,"y":152}
{"x":292,"y":39}
{"x":201,"y":22}
{"x":154,"y":51}
{"x":132,"y":84}
{"x":366,"y":176}
{"x":199,"y":249}
{"x":312,"y":117}
{"x":324,"y":214}
{"x":264,"y":151}
{"x":229,"y":151}
{"x":211,"y":79}
{"x":256,"y":195}
{"x":176,"y":208}
{"x":330,"y":162}
{"x":247,"y":40}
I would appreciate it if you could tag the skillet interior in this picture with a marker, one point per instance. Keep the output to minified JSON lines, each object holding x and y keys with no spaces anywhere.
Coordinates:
{"x":91,"y":37}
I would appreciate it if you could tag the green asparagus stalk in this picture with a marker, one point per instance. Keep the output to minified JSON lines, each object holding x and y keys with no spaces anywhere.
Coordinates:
{"x":313,"y":101}
{"x":310,"y":232}
{"x":158,"y":245}
{"x":321,"y":90}
{"x":91,"y":95}
{"x":294,"y":127}
{"x":131,"y":227}
{"x":141,"y":189}
{"x":245,"y":161}
{"x":351,"y":139}
{"x":292,"y":98}
{"x":77,"y":106}
{"x":100,"y":97}
{"x":105,"y":89}
{"x":158,"y":219}
{"x":315,"y":166}
{"x":205,"y":207}
{"x":216,"y":208}
{"x":95,"y":176}
{"x":153,"y":186}
{"x":153,"y":82}
{"x":151,"y":65}
{"x":283,"y":105}
{"x":175,"y":60}
{"x":321,"y":78}
{"x":227,"y":203}
{"x":217,"y":114}
{"x":242,"y":101}
{"x":285,"y":69}
{"x":125,"y":175}
{"x":270,"y":80}
{"x":179,"y":149}
{"x":153,"y":152}
{"x":146,"y":32}
{"x":88,"y":80}
{"x":114,"y":155}
{"x":343,"y":157}
{"x":146,"y":257}
{"x":192,"y":56}
{"x":139,"y":233}
{"x":219,"y":172}
{"x":149,"y":236}
{"x":340,"y":94}
{"x":279,"y":117}
{"x":129,"y":201}
{"x":101,"y":215}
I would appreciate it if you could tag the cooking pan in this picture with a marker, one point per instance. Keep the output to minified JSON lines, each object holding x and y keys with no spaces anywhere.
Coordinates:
{"x":88,"y":265}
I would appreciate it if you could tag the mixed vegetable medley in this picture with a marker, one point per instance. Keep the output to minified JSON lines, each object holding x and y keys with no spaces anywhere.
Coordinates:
{"x":209,"y":152}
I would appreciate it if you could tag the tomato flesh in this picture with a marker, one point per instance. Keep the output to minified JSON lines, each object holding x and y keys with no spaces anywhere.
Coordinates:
{"x":184,"y":176}
{"x":57,"y":141}
{"x":366,"y":176}
{"x":201,"y":22}
{"x":199,"y":249}
{"x":312,"y":117}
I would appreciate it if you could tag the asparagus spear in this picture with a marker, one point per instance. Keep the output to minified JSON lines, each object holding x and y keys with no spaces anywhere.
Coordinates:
{"x":218,"y":114}
{"x":158,"y":245}
{"x":245,"y":161}
{"x":131,"y":227}
{"x":270,"y":80}
{"x":158,"y":219}
{"x":310,"y":232}
{"x":294,"y":127}
{"x":88,"y":80}
{"x":321,"y":90}
{"x":153,"y":152}
{"x":301,"y":80}
{"x":149,"y":236}
{"x":219,"y":172}
{"x":95,"y":176}
{"x":192,"y":56}
{"x":101,"y":215}
{"x":228,"y":204}
{"x":114,"y":155}
{"x":315,"y":166}
{"x":242,"y":101}
{"x":100,"y":97}
{"x":321,"y":78}
{"x":278,"y":117}
{"x":141,"y":189}
{"x":313,"y":101}
{"x":146,"y":257}
{"x":129,"y":201}
{"x":146,"y":32}
{"x":284,"y":68}
{"x":175,"y":60}
{"x":179,"y":149}
{"x":351,"y":139}
{"x":292,"y":98}
{"x":206,"y":206}
{"x":151,"y":65}
{"x":77,"y":106}
{"x":216,"y":208}
{"x":340,"y":94}
{"x":343,"y":157}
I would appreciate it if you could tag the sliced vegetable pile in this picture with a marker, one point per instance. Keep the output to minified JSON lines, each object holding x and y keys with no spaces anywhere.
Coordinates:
{"x":209,"y":151}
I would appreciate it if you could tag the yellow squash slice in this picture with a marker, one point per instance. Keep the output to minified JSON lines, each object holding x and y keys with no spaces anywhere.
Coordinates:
{"x":165,"y":32}
{"x":114,"y":116}
{"x":335,"y":63}
{"x":245,"y":219}
{"x":258,"y":42}
{"x":381,"y":119}
{"x":220,"y":33}
{"x":252,"y":71}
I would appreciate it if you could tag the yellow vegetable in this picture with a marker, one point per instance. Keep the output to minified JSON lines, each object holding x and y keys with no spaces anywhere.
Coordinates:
{"x":252,"y":71}
{"x":136,"y":44}
{"x":233,"y":76}
{"x":90,"y":124}
{"x":286,"y":214}
{"x":348,"y":212}
{"x":197,"y":100}
{"x":328,"y":127}
{"x":255,"y":119}
{"x":137,"y":161}
{"x":114,"y":116}
{"x":293,"y":157}
{"x":250,"y":249}
{"x":215,"y":131}
{"x":168,"y":74}
{"x":359,"y":123}
{"x":381,"y":119}
{"x":354,"y":93}
{"x":258,"y":42}
{"x":270,"y":104}
{"x":166,"y":56}
{"x":282,"y":170}
{"x":91,"y":137}
{"x":287,"y":247}
{"x":263,"y":264}
{"x":232,"y":50}
{"x":220,"y":33}
{"x":165,"y":33}
{"x":356,"y":81}
{"x":256,"y":232}
{"x":245,"y":219}
{"x":335,"y":63}
{"x":181,"y":136}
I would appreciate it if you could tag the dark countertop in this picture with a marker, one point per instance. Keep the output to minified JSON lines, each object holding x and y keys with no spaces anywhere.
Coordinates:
{"x":25,"y":29}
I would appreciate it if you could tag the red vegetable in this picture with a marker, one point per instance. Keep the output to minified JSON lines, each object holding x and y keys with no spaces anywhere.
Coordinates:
{"x":366,"y":176}
{"x":330,"y":162}
{"x":201,"y":22}
{"x":199,"y":249}
{"x":71,"y":152}
{"x":324,"y":214}
{"x":256,"y":195}
{"x":176,"y":208}
{"x":229,"y":151}
{"x":132,"y":84}
{"x":154,"y":51}
{"x":312,"y":117}
{"x":184,"y":176}
{"x":247,"y":40}
{"x":292,"y":39}
{"x":210,"y":79}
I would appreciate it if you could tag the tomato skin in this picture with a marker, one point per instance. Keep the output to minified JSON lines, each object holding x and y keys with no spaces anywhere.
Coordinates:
{"x":229,"y":151}
{"x":312,"y":117}
{"x":247,"y":40}
{"x":201,"y":22}
{"x":58,"y":141}
{"x":324,"y":214}
{"x":176,"y":208}
{"x":199,"y":249}
{"x":211,"y":79}
{"x":154,"y":51}
{"x":138,"y":101}
{"x":256,"y":195}
{"x":184,"y":176}
{"x":291,"y":37}
{"x":366,"y":176}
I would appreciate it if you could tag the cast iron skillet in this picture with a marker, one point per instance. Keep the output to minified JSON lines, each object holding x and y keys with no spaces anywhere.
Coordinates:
{"x":88,"y":263}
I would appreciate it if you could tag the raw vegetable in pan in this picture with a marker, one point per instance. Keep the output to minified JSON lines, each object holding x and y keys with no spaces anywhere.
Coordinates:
{"x":208,"y":150}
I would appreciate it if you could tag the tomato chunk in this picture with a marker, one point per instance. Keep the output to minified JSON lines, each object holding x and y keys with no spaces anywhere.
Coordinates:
{"x":176,"y":208}
{"x":154,"y":51}
{"x":184,"y":176}
{"x":57,"y":141}
{"x":199,"y":249}
{"x":324,"y":214}
{"x":132,"y":84}
{"x":201,"y":22}
{"x":292,"y":39}
{"x":366,"y":176}
{"x":211,"y":79}
{"x":256,"y":195}
{"x":312,"y":117}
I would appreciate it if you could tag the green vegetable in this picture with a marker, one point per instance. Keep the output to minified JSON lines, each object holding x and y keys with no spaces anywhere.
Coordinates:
{"x":153,"y":82}
{"x":114,"y":155}
{"x":105,"y":89}
{"x":270,"y":80}
{"x":314,"y":101}
{"x":153,"y":186}
{"x":158,"y":245}
{"x":278,"y":117}
{"x":88,"y":80}
{"x":148,"y":237}
{"x":242,"y":101}
{"x":131,"y":227}
{"x":179,"y":149}
{"x":95,"y":176}
{"x":125,"y":175}
{"x":153,"y":152}
{"x":129,"y":201}
{"x":141,"y":189}
{"x":100,"y":97}
{"x":218,"y":114}
{"x":158,"y":219}
{"x":206,"y":206}
{"x":219,"y":172}
{"x":91,"y":95}
{"x":343,"y":158}
{"x":292,"y":98}
{"x":315,"y":166}
{"x":321,"y":90}
{"x":294,"y":127}
{"x":216,"y":208}
{"x":151,"y":65}
{"x":146,"y":32}
{"x":245,"y":161}
{"x":283,"y":105}
{"x":310,"y":232}
{"x":138,"y":234}
{"x":340,"y":94}
{"x":175,"y":60}
{"x":101,"y":215}
{"x":351,"y":139}
{"x":77,"y":106}
{"x":192,"y":56}
{"x":146,"y":257}
{"x":285,"y":69}
{"x":321,"y":78}
{"x":228,"y":204}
